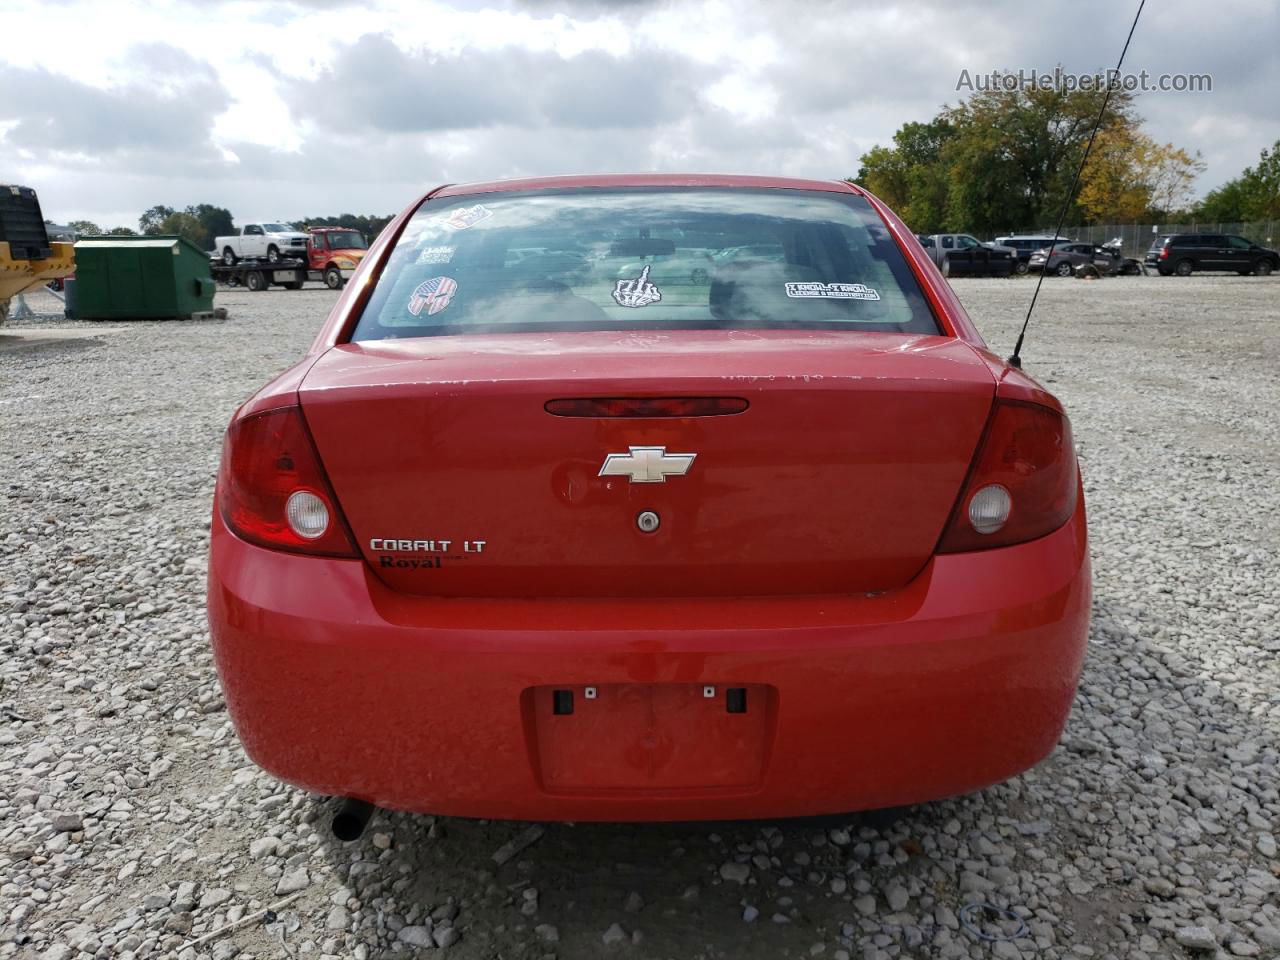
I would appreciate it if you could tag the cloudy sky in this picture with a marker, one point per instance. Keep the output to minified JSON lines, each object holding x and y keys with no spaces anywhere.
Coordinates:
{"x":294,"y":107}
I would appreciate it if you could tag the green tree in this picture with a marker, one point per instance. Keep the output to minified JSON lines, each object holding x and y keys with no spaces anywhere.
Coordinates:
{"x":884,"y":172}
{"x":909,"y":176}
{"x":216,"y":221}
{"x":85,"y":228}
{"x":185,"y":225}
{"x":1227,"y":203}
{"x":1254,"y":195}
{"x":1016,"y":153}
{"x":1000,"y":159}
{"x":121,"y":232}
{"x":149,"y":222}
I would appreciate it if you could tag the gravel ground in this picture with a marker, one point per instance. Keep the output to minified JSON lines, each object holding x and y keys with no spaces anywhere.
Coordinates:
{"x":131,"y":824}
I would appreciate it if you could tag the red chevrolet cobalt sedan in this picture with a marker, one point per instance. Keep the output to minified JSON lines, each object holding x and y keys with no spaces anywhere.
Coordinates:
{"x":648,"y":498}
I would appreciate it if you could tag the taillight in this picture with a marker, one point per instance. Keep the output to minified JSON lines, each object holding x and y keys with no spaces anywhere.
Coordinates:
{"x":1164,"y":253}
{"x":272,"y":490}
{"x":1023,"y":482}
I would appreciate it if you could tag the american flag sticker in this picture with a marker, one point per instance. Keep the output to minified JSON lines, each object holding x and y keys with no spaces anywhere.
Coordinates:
{"x":432,"y":295}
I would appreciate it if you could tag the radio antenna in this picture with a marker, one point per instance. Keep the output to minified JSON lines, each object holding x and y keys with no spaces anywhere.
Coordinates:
{"x":1015,"y":359}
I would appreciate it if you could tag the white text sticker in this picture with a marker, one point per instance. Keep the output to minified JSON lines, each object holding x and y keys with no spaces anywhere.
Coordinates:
{"x":831,"y":291}
{"x":436,"y":255}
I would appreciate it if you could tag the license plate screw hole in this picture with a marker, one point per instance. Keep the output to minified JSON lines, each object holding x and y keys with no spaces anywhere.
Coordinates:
{"x":589,"y":693}
{"x":709,"y":692}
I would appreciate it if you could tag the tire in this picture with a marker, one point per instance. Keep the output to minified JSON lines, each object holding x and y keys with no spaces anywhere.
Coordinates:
{"x":333,"y":278}
{"x":292,"y":285}
{"x":1183,"y":268}
{"x":1262,"y":268}
{"x":229,"y":256}
{"x":273,"y":254}
{"x":1021,"y":268}
{"x":255,"y":280}
{"x":1064,"y":269}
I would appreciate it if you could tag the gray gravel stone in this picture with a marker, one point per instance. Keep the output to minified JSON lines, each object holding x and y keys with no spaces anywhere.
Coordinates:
{"x":1197,"y":938}
{"x":293,"y":881}
{"x":67,"y":822}
{"x":415,"y":936}
{"x":445,"y":937}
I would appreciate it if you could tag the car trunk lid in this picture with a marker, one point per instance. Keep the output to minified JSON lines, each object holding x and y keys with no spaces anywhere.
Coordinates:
{"x":838,"y":477}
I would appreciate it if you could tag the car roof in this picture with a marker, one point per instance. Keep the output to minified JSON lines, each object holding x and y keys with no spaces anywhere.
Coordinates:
{"x":644,"y":180}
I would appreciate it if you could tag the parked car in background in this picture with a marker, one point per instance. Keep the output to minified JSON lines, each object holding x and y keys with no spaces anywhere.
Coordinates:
{"x":566,"y":546}
{"x":1024,"y":245}
{"x":963,"y":255}
{"x":1108,"y":260}
{"x":272,"y":241}
{"x":1182,"y":254}
{"x":1064,"y":259}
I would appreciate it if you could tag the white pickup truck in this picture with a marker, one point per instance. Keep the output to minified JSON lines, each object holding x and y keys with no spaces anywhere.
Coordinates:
{"x":265,"y":240}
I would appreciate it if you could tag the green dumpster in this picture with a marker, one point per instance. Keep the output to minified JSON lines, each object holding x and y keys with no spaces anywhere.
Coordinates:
{"x":141,"y":278}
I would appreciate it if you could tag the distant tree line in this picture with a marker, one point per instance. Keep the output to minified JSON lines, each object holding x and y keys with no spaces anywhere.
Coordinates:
{"x":1004,"y":159}
{"x":1254,"y":195}
{"x":202,"y":222}
{"x":369,"y":226}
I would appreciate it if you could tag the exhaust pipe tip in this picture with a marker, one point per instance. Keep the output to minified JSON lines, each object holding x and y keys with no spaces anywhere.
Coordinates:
{"x":351,"y":819}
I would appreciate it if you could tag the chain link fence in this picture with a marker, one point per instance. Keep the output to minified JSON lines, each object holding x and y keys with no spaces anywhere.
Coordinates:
{"x":1137,"y":237}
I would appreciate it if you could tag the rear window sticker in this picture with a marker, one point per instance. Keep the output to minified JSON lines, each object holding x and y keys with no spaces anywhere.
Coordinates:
{"x":831,"y":291}
{"x":636,"y":293}
{"x":436,"y":255}
{"x":467,"y":217}
{"x":432,"y":295}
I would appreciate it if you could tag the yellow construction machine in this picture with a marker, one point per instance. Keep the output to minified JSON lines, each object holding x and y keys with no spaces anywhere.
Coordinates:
{"x":27,"y":257}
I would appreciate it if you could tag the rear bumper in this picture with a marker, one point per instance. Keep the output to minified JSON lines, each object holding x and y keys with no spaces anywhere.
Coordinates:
{"x":961,"y":679}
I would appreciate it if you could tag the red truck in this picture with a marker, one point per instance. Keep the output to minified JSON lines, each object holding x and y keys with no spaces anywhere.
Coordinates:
{"x":333,"y":253}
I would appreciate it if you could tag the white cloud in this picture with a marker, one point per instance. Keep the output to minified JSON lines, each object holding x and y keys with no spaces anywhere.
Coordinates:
{"x":326,"y":105}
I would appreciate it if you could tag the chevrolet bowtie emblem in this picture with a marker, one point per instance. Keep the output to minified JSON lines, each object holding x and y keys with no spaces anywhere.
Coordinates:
{"x":647,"y":464}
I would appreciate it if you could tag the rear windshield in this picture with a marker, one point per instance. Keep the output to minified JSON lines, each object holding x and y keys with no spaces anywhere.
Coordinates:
{"x":644,"y":259}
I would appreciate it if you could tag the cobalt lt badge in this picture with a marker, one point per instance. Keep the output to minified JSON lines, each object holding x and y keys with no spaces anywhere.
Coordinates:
{"x":638,"y":292}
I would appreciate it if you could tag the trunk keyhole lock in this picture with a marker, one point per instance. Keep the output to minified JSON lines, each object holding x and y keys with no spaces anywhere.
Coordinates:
{"x":648,"y":521}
